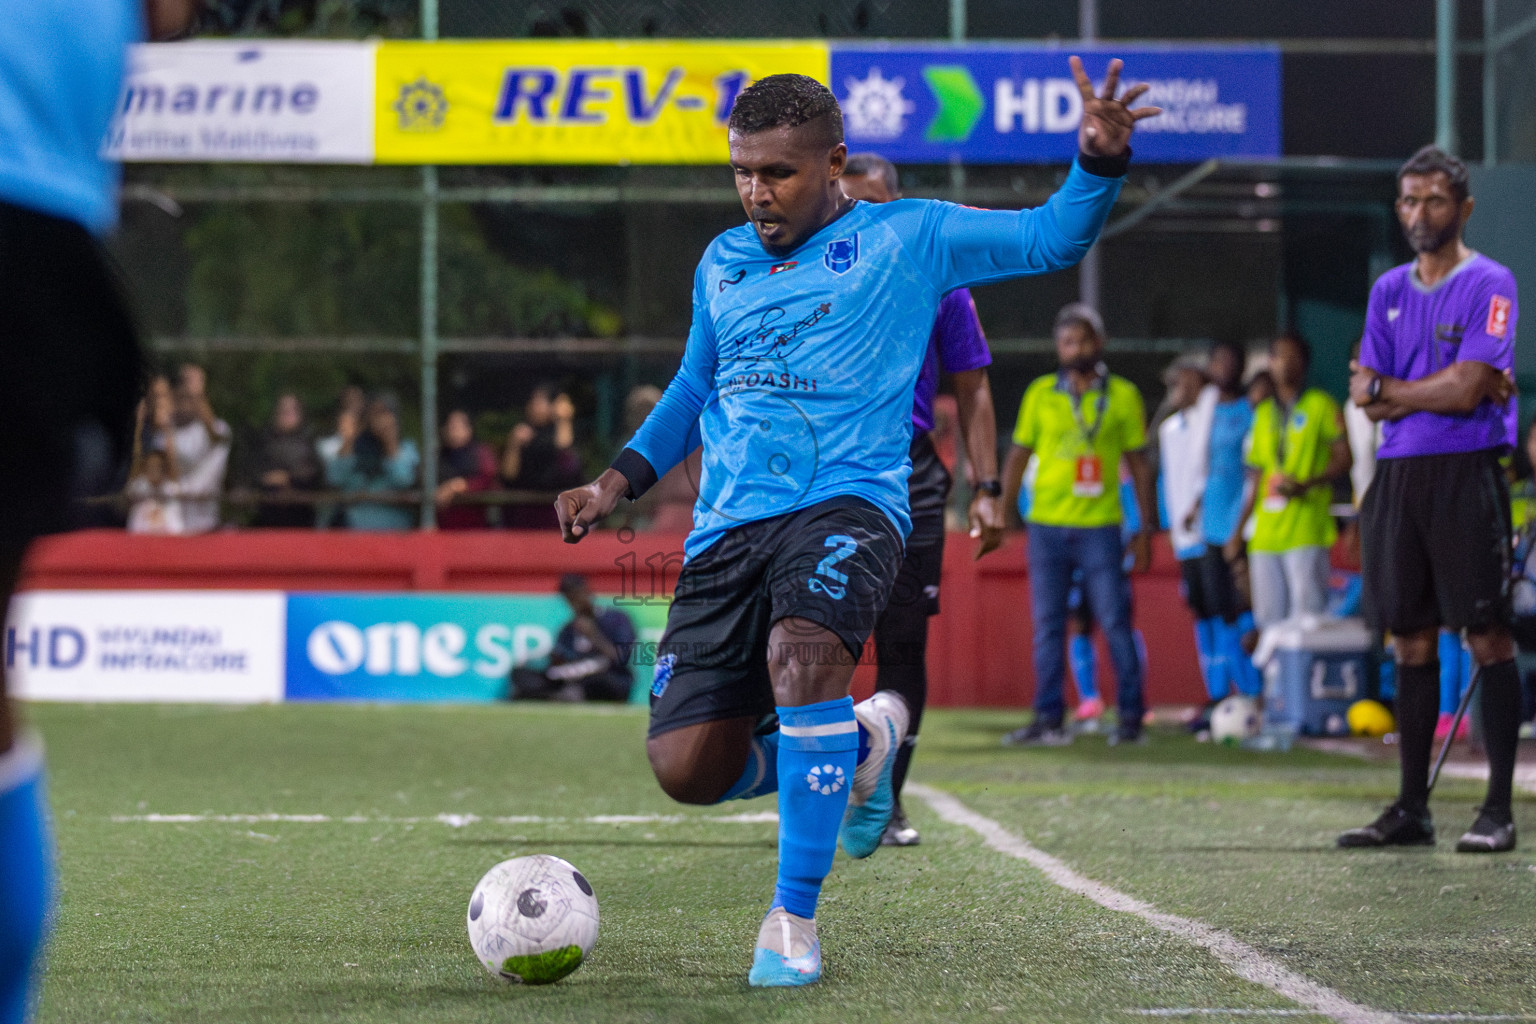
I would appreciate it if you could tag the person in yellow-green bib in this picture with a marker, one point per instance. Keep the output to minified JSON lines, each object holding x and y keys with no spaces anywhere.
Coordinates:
{"x":1297,"y":448}
{"x":1079,"y":423}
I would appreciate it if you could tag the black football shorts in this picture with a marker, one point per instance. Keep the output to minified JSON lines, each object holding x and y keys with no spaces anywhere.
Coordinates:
{"x":832,"y":564}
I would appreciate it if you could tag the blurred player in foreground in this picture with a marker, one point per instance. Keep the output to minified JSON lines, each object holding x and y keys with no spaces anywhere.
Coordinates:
{"x":810,"y":328}
{"x":956,"y":347}
{"x":73,"y":367}
{"x":1435,"y":369}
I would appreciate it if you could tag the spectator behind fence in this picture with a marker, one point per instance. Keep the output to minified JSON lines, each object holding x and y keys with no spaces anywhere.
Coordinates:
{"x":154,"y":494}
{"x":668,"y":506}
{"x":541,"y":456}
{"x":286,"y":464}
{"x":590,"y":660}
{"x":464,"y":465}
{"x":351,"y":404}
{"x":201,"y":442}
{"x":375,"y":459}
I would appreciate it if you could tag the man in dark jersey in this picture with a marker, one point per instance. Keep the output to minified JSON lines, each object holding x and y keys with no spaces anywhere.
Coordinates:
{"x":72,"y":359}
{"x":1435,"y":369}
{"x":957,"y":347}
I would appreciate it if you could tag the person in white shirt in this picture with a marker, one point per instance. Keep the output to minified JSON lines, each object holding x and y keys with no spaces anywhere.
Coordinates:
{"x":1184,"y":439}
{"x":201,"y":442}
{"x":155,"y":496}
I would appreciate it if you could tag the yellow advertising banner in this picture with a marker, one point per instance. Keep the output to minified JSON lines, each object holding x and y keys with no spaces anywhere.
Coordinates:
{"x":570,"y":101}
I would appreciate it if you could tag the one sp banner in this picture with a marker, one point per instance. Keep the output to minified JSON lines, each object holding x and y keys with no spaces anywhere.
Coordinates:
{"x":432,"y":647}
{"x":249,"y":101}
{"x":570,"y":101}
{"x":1014,"y":104}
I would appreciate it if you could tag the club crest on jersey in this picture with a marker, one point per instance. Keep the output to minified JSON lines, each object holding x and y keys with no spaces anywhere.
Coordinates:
{"x":841,"y":254}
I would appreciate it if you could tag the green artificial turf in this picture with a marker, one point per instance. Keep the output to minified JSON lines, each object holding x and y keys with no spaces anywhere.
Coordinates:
{"x":364,"y":920}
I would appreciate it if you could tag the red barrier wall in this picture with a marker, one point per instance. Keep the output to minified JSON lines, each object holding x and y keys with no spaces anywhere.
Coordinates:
{"x":979,"y":651}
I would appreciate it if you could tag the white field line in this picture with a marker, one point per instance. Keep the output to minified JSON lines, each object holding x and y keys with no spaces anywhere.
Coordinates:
{"x":451,"y":820}
{"x":1525,"y":774}
{"x":1212,"y":1011}
{"x":1245,"y":961}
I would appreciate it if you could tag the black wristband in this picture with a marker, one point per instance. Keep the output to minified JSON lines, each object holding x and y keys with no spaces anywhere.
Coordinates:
{"x":637,"y":470}
{"x":1105,"y":166}
{"x":992,"y":488}
{"x":1374,"y":391}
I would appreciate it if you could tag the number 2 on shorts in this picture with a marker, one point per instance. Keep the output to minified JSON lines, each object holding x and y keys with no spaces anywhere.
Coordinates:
{"x":844,"y":546}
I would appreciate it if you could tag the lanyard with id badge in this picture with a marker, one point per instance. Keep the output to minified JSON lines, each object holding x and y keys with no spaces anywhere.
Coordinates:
{"x":1088,"y":475}
{"x":1274,"y":501}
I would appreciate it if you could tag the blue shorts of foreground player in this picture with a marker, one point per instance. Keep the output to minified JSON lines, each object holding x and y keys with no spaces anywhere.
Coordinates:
{"x":1054,"y":553}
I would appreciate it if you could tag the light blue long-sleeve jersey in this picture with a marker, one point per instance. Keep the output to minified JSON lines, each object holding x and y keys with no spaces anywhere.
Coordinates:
{"x":799,"y":368}
{"x":61,"y":66}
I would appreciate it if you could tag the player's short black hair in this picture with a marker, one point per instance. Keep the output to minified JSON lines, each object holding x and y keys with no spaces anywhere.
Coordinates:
{"x":1301,"y":344}
{"x":1434,"y":160}
{"x":873,"y":165}
{"x":572,"y":582}
{"x":787,"y":101}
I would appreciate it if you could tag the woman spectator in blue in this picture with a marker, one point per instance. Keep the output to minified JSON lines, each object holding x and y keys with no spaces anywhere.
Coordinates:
{"x":375,"y":459}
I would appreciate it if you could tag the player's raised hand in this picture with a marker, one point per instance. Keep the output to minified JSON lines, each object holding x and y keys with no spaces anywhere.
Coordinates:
{"x":580,"y":507}
{"x":1108,"y":120}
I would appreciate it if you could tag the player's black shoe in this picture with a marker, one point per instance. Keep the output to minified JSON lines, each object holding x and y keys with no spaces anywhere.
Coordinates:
{"x":1490,"y":833}
{"x":1397,"y":826}
{"x":900,"y":831}
{"x":1038,"y":734}
{"x":1126,"y":733}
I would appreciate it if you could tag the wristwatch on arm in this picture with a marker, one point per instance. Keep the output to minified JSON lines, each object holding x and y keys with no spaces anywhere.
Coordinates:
{"x":992,"y":488}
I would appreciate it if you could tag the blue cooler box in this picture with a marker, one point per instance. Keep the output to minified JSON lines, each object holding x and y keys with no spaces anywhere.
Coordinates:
{"x":1314,"y":669}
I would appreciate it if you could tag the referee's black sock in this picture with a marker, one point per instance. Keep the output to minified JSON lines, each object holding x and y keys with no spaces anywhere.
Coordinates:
{"x":1501,"y":734}
{"x":1418,"y":709}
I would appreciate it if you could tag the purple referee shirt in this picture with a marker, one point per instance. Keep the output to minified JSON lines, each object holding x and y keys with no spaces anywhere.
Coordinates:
{"x":956,"y":345}
{"x":1412,"y":331}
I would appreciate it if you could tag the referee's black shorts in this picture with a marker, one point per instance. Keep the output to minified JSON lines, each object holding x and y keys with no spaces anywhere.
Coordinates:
{"x":73,"y":372}
{"x":1435,"y":543}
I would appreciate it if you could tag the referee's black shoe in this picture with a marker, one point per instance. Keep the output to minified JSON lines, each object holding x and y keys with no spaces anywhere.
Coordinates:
{"x":1397,"y":826}
{"x":1492,"y":832}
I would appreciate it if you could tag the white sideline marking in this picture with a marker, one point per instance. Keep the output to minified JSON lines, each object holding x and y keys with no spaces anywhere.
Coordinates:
{"x":1245,"y":961}
{"x":454,"y":820}
{"x":1212,"y":1011}
{"x":1525,"y":775}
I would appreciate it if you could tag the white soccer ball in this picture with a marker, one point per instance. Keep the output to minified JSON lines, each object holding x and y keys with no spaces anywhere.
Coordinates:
{"x":532,"y":920}
{"x":1234,"y":720}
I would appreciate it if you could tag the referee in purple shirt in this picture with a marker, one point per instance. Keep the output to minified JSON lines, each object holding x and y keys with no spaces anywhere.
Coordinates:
{"x":956,"y":347}
{"x":1435,"y":369}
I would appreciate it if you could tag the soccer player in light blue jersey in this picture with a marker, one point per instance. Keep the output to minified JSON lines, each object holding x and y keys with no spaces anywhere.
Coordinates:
{"x":810,"y":326}
{"x":71,"y":358}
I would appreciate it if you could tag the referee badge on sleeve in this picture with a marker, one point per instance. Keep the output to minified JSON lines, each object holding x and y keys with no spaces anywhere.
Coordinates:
{"x":1498,"y":317}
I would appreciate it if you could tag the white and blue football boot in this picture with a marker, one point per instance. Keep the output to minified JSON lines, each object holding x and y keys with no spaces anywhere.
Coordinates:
{"x":872,"y":799}
{"x":788,"y":952}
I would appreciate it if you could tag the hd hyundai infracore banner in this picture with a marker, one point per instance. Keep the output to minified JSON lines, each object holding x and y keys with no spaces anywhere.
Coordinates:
{"x":662,"y":101}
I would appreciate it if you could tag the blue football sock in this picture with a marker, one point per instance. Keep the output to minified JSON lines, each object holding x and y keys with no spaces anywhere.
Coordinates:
{"x":1450,"y":672}
{"x":26,"y":876}
{"x":1247,"y":676}
{"x":1213,"y":657}
{"x":818,"y":751}
{"x":1085,"y":666}
{"x":761,"y":775}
